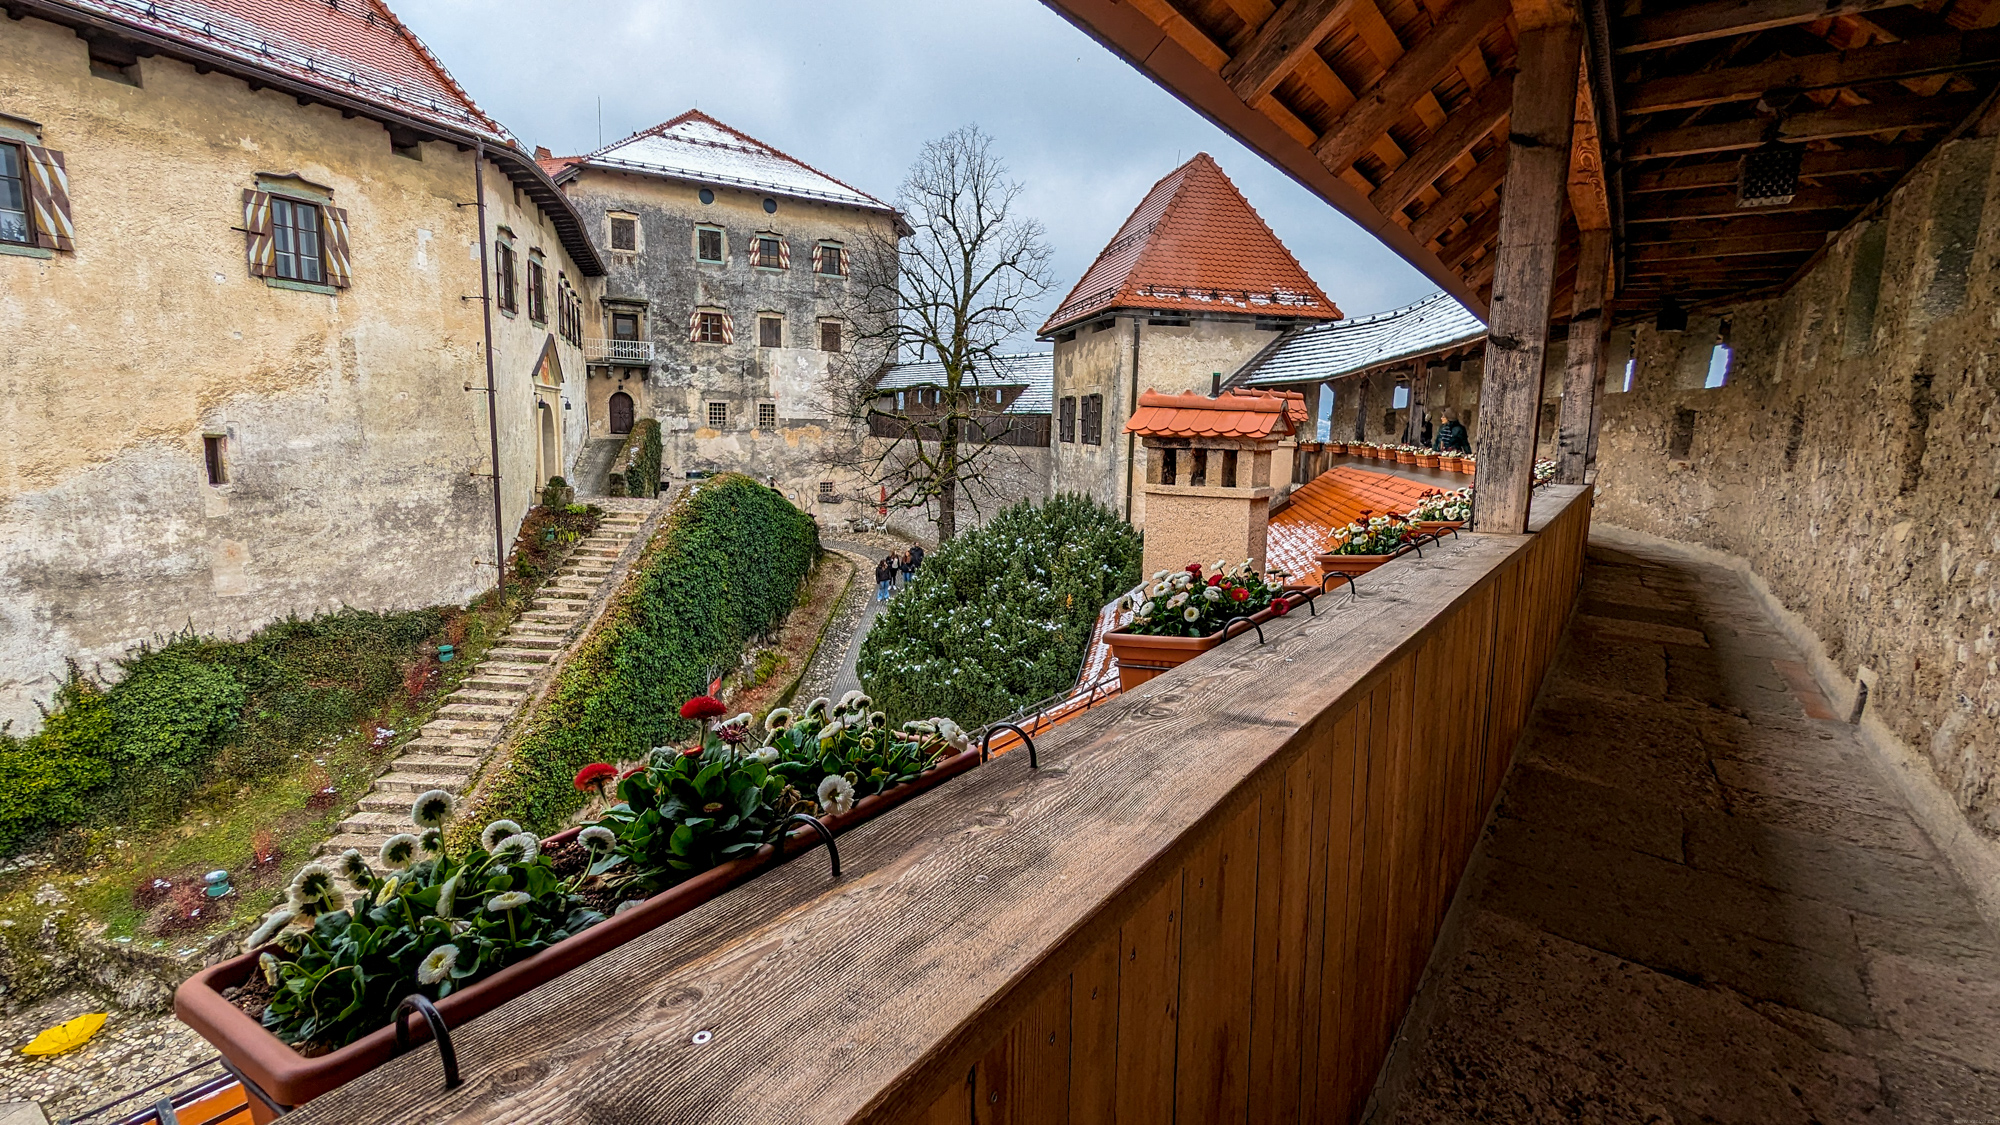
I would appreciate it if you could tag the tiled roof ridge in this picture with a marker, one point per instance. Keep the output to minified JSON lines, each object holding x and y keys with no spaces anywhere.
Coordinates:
{"x":1117,"y":243}
{"x":750,"y":143}
{"x":1207,"y":162}
{"x":209,"y":28}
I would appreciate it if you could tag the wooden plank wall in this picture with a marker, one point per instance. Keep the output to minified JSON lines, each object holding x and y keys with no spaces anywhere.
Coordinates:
{"x":1263,"y":979}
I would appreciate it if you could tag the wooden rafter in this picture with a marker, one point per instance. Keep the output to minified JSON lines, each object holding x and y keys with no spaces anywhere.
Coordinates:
{"x":1866,"y":160}
{"x":1711,"y":248}
{"x":1722,"y":204}
{"x":1720,"y":19}
{"x":1467,"y":126}
{"x":1461,"y":197}
{"x":1412,"y":76}
{"x":1822,"y":124}
{"x":1286,"y":37}
{"x":1929,"y":55}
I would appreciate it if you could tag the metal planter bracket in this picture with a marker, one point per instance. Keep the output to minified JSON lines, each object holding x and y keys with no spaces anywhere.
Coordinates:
{"x":416,"y":1002}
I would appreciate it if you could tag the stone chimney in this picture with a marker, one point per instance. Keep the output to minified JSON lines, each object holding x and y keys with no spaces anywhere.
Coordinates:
{"x":1208,"y":473}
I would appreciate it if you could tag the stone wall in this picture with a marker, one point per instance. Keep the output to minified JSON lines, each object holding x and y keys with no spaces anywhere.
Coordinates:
{"x":356,"y":455}
{"x":1852,"y":457}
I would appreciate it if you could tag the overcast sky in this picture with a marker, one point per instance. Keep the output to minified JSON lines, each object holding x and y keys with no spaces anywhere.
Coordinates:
{"x":854,"y":87}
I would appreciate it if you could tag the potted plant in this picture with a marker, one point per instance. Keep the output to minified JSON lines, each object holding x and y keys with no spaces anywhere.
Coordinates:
{"x":1440,"y":510}
{"x":1336,"y":447}
{"x":1179,"y":615}
{"x":312,"y":1004}
{"x":1448,"y":461}
{"x":1406,"y":455}
{"x":1467,"y":463}
{"x":1427,"y":458}
{"x":1365,"y":544}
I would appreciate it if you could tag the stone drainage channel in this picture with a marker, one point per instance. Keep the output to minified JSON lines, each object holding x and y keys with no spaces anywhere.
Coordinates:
{"x":473,"y":720}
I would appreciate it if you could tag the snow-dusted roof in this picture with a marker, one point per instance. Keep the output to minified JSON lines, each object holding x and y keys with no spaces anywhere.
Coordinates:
{"x":1344,"y":347}
{"x":700,"y":149}
{"x":1035,"y":371}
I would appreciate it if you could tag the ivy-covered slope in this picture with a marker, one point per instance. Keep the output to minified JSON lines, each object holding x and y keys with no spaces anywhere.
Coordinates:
{"x":726,"y":566}
{"x":999,"y":617}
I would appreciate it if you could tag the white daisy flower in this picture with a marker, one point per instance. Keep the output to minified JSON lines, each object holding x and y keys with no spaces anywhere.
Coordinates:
{"x":1212,"y":593}
{"x":269,"y":965}
{"x":778,"y":719}
{"x":1177,"y":601}
{"x":431,"y":808}
{"x":836,"y":794}
{"x":496,"y":832}
{"x":508,"y":900}
{"x":437,"y":965}
{"x":597,"y":838}
{"x":352,"y":867}
{"x":398,"y":850}
{"x":1191,"y":614}
{"x":521,"y":847}
{"x":764,"y":754}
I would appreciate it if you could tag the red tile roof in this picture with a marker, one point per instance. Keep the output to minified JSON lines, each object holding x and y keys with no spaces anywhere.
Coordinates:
{"x":1195,"y":244}
{"x":357,"y":48}
{"x":1232,"y":415}
{"x":1334,"y":499}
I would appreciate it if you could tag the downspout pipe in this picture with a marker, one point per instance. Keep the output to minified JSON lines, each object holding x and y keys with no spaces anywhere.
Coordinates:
{"x":1131,"y":408}
{"x":492,"y":386}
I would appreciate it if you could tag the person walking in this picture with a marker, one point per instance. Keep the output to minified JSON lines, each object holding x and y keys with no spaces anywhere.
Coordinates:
{"x":906,"y":567}
{"x":1451,"y":436}
{"x":885,"y":573}
{"x":916,"y":557}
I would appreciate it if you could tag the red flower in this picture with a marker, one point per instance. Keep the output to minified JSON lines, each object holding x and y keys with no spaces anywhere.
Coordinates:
{"x":1193,"y":568}
{"x":594,"y":775}
{"x":692,"y":751}
{"x":1214,"y":579}
{"x":1238,"y":594}
{"x":1366,"y":512}
{"x":1280,"y":606}
{"x":703,"y":707}
{"x":633,"y":772}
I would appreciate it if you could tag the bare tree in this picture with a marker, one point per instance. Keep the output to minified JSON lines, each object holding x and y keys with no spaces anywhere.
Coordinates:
{"x":951,"y":291}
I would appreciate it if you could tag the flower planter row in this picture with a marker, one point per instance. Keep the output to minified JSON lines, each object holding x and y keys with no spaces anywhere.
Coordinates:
{"x":1453,"y":463}
{"x":1142,"y":656}
{"x":291,"y":1079}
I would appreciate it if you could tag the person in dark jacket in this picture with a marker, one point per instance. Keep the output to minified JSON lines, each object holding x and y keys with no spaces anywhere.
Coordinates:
{"x":885,"y":575}
{"x":916,"y":557}
{"x":1451,"y":436}
{"x":905,"y":568}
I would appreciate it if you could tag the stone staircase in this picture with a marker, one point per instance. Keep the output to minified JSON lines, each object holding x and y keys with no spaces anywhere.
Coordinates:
{"x":472,"y":721}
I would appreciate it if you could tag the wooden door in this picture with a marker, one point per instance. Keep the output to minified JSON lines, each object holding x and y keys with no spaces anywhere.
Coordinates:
{"x":621,"y":413}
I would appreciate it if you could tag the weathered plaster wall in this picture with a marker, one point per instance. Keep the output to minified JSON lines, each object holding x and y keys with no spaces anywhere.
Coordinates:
{"x":1172,"y":358}
{"x":1853,"y":459}
{"x":352,"y":442}
{"x":665,"y":274}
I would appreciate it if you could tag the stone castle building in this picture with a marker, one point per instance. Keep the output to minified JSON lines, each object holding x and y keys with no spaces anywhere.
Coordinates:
{"x":247,"y":355}
{"x":1194,"y":283}
{"x":728,"y":268}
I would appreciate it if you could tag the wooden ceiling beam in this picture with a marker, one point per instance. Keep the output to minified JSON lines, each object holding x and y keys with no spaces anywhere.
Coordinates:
{"x":1279,"y":44}
{"x":1467,"y":126}
{"x":1412,"y":76}
{"x":1721,"y":19}
{"x":1459,"y":198}
{"x":1711,"y":248}
{"x":1820,"y":124}
{"x":1589,"y":198}
{"x":1932,"y":54}
{"x":1722,"y":204}
{"x":1812,"y":165}
{"x":1750,"y":224}
{"x":1479,"y":233}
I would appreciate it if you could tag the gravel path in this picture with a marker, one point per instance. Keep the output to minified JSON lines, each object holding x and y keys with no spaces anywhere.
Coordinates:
{"x":131,"y":1051}
{"x":831,"y":672}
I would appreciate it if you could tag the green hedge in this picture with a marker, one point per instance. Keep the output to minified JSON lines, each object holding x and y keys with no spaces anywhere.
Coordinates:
{"x":642,"y":469}
{"x":728,"y":565}
{"x":192,"y":709}
{"x":999,"y":617}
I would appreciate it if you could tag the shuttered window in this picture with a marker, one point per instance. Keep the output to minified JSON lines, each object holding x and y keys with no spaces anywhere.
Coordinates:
{"x":769,"y":252}
{"x":538,"y":296}
{"x":503,"y":276}
{"x":1093,"y":419}
{"x":14,"y":226}
{"x":830,"y":259}
{"x":708,"y":327}
{"x":1066,"y":419}
{"x":295,"y":241}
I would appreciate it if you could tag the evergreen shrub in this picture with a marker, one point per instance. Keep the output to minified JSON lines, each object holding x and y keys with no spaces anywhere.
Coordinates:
{"x":999,"y":617}
{"x":642,"y":469}
{"x":728,"y":564}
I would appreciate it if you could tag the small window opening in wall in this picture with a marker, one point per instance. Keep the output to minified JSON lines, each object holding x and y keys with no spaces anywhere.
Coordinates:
{"x":770,"y":332}
{"x":1065,"y":337}
{"x":624,"y":233}
{"x":767,"y":415}
{"x":708,"y":244}
{"x":718,"y":414}
{"x":829,"y":335}
{"x":826,"y":488}
{"x":1169,"y":465}
{"x":1718,"y":366}
{"x":1631,"y":372}
{"x":1229,"y":468}
{"x":214,"y":448}
{"x":1198,"y":473}
{"x":1104,"y":325}
{"x":1168,"y":321}
{"x":706,"y":196}
{"x":1324,"y":430}
{"x":1680,"y":445}
{"x":1401,"y":397}
{"x":114,"y":62}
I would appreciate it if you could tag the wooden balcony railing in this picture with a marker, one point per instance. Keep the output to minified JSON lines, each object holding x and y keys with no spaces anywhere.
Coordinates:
{"x":1212,"y":902}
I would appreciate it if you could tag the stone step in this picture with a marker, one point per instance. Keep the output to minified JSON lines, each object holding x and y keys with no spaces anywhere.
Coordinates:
{"x":599,"y":552}
{"x":599,"y":573}
{"x":560,"y":595}
{"x":600,"y":541}
{"x":367,"y":844}
{"x":473,"y":709}
{"x":532,"y":640}
{"x":404,"y":785}
{"x":373,"y":821}
{"x":447,"y":725}
{"x":512,"y":668}
{"x":506,"y":695}
{"x":432,"y":764}
{"x":521,"y":655}
{"x":553,"y":616}
{"x":474,"y":748}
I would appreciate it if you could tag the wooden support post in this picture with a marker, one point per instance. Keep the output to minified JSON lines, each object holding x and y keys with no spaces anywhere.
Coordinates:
{"x":1517,"y":336}
{"x":1583,"y":371}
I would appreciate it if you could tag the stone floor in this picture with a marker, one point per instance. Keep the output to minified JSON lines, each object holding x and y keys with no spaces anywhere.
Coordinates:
{"x":1701,"y":901}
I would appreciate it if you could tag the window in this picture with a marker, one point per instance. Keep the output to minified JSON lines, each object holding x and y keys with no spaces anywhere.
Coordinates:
{"x":769,"y":252}
{"x":770,"y":332}
{"x":767,"y":415}
{"x":718,"y":414}
{"x":1093,"y":419}
{"x":503,"y":275}
{"x":625,"y":232}
{"x":295,"y":240}
{"x":1105,"y":325}
{"x":1400,"y":397}
{"x":1631,"y":370}
{"x":538,"y":296}
{"x":711,"y":328}
{"x":826,"y":488}
{"x":14,"y":197}
{"x":708,"y":244}
{"x":830,"y":259}
{"x":624,"y":326}
{"x":1718,"y":366}
{"x":212,"y":447}
{"x":1324,"y":430}
{"x":1066,"y":419}
{"x":829,"y":335}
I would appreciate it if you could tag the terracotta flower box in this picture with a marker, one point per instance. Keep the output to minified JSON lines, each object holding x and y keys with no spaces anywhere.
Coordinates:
{"x":292,"y":1079}
{"x":1350,"y":565}
{"x":1405,"y":457}
{"x":1428,"y":460}
{"x":1467,"y":465}
{"x":1438,"y":527}
{"x":1336,"y":447}
{"x":1141,"y":656}
{"x":1449,"y":462}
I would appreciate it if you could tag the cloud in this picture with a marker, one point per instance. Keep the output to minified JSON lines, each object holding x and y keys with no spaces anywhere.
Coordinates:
{"x":855,"y":88}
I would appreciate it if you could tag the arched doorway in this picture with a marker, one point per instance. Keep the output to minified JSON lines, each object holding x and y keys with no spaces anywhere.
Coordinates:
{"x":621,"y":413}
{"x":550,"y":453}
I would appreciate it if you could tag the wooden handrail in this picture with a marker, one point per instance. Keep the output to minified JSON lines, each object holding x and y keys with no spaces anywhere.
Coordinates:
{"x":1212,"y":901}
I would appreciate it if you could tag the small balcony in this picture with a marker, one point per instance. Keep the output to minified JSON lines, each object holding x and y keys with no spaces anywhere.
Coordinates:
{"x":618,"y":351}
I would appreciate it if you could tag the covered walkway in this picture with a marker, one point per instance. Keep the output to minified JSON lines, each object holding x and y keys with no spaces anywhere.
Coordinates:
{"x":1701,"y":899}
